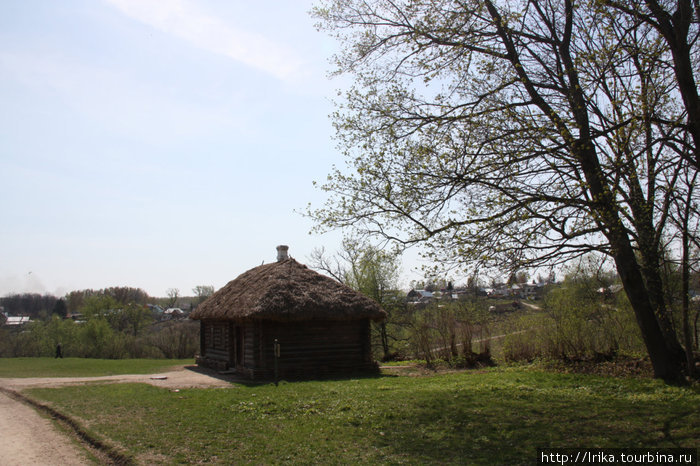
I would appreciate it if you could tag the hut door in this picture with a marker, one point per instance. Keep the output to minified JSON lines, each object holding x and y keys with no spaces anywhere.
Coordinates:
{"x":239,"y":346}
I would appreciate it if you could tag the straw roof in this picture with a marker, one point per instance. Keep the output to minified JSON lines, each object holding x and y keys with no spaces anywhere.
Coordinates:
{"x":287,"y":291}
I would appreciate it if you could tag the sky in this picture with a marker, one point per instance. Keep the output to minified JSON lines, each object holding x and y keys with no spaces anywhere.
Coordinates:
{"x":159,"y":144}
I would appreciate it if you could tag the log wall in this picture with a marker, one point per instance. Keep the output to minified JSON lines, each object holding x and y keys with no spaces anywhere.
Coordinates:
{"x":315,"y":349}
{"x":308,"y":349}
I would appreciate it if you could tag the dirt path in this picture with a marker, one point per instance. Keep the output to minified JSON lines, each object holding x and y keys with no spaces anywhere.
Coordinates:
{"x":183,"y":377}
{"x":26,"y":438}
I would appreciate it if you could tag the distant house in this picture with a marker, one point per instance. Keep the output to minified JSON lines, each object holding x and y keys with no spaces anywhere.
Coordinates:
{"x":532,"y":290}
{"x":501,"y":292}
{"x":16,"y":321}
{"x":156,"y":310}
{"x":173,"y":313}
{"x":320,"y":325}
{"x":422,"y":296}
{"x":527,"y":290}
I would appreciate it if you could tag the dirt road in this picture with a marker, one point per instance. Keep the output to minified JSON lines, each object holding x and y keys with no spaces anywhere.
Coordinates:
{"x":27,"y":438}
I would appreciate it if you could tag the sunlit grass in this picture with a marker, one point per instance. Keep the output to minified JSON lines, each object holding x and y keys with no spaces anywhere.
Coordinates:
{"x":496,"y":416}
{"x":81,"y":367}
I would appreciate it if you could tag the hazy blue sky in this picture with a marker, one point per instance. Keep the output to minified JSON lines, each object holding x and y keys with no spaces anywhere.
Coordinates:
{"x":158,"y":144}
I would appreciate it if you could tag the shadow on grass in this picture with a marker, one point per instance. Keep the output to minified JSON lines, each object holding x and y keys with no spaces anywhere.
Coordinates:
{"x":240,"y":380}
{"x":492,"y":426}
{"x":213,"y":373}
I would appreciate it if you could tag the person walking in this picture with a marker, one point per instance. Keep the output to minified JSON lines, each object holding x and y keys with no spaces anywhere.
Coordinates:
{"x":59,"y":351}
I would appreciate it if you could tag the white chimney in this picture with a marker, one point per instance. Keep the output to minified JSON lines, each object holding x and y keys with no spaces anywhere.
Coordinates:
{"x":282,"y":253}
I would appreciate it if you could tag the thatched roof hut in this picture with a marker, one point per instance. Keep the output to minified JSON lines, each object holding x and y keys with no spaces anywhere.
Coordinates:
{"x":321,"y":326}
{"x":287,"y":291}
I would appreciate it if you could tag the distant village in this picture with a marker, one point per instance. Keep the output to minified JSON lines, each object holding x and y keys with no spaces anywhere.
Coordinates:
{"x":516,"y":291}
{"x":19,"y":309}
{"x":159,"y":315}
{"x":415,"y":298}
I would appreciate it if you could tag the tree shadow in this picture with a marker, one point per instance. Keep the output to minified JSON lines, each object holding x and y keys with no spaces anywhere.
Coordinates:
{"x":234,"y":378}
{"x":504,"y":427}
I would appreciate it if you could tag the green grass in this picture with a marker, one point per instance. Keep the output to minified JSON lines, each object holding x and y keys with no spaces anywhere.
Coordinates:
{"x":404,"y":362}
{"x":497,"y":416}
{"x":80,"y":367}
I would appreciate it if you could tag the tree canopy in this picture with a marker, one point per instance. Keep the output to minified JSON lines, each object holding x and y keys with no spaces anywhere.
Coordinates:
{"x":515,"y":134}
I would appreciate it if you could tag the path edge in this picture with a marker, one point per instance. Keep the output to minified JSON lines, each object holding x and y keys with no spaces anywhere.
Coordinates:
{"x":117,"y":457}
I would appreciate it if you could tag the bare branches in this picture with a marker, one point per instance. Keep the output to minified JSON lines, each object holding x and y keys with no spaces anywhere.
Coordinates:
{"x":510,"y":134}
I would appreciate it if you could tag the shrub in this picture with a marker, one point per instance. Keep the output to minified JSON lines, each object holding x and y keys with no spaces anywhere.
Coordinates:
{"x":450,"y":332}
{"x":175,"y":340}
{"x":576,"y":325}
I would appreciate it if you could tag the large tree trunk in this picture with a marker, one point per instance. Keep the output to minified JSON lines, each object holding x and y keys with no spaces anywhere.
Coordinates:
{"x":666,"y":359}
{"x":650,"y":269}
{"x":665,"y":352}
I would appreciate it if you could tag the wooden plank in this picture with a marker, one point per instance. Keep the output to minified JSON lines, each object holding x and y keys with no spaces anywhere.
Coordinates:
{"x":308,"y":349}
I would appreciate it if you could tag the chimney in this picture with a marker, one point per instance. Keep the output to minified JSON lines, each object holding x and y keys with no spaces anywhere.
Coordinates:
{"x":282,"y":253}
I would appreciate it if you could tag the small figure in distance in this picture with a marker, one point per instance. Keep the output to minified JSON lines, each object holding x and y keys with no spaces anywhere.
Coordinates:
{"x":59,"y":351}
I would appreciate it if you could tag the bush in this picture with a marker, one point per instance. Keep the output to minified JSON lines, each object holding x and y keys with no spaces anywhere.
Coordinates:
{"x":576,"y":325}
{"x":451,"y":332}
{"x":96,"y":338}
{"x":176,"y":340}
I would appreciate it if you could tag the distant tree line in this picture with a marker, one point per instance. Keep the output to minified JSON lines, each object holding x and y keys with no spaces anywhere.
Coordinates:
{"x":29,"y":304}
{"x":121,"y":294}
{"x":38,"y":306}
{"x":112,"y":323}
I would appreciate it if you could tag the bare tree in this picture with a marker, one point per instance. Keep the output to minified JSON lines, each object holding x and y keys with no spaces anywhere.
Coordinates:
{"x":368,"y":269}
{"x":173,"y":296}
{"x":332,"y":265}
{"x":686,"y":221}
{"x":202,"y":292}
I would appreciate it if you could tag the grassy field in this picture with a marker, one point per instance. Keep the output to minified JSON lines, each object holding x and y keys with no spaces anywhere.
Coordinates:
{"x":495,"y":416}
{"x":80,"y":367}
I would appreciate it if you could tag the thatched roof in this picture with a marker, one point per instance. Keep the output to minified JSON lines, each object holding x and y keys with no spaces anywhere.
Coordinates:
{"x":287,"y":291}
